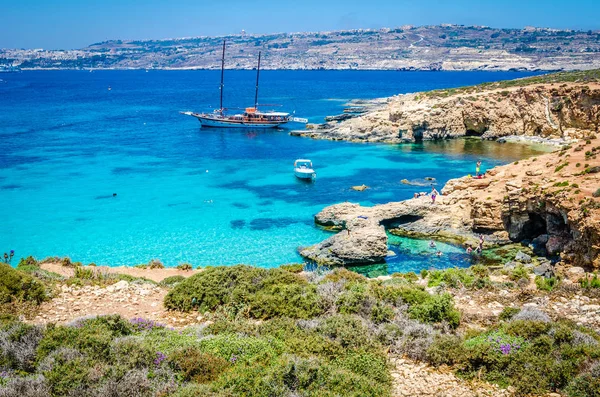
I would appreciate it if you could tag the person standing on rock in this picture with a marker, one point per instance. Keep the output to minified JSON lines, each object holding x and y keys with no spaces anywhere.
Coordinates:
{"x":434,"y":194}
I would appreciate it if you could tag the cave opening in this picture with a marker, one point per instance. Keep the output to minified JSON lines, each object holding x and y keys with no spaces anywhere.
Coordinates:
{"x":534,"y":227}
{"x":401,"y":220}
{"x":472,"y":132}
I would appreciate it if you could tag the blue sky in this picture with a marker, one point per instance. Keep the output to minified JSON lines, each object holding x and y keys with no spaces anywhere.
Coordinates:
{"x":64,"y":24}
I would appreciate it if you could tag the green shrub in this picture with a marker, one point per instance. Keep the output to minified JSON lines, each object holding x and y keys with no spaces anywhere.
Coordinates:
{"x":446,"y":350}
{"x":372,"y":366}
{"x":527,"y":329}
{"x":184,"y":266}
{"x":196,"y":366}
{"x":68,"y":375}
{"x":285,"y":300}
{"x":155,"y":264}
{"x":587,"y":282}
{"x":454,"y":278}
{"x":264,"y":292}
{"x":29,"y":261}
{"x":409,"y":276}
{"x":193,"y":390}
{"x":409,"y":294}
{"x":349,"y":331}
{"x":18,"y":344}
{"x":596,"y":193}
{"x":508,"y":313}
{"x":290,"y":375}
{"x":436,"y":309}
{"x":84,"y":273}
{"x":293,"y":267}
{"x":341,"y":273}
{"x":131,"y":352}
{"x":585,"y":385}
{"x":518,"y":273}
{"x":17,"y":286}
{"x":171,"y":281}
{"x":546,"y":284}
{"x":381,"y":313}
{"x":238,"y":349}
{"x":353,"y":299}
{"x":480,"y":270}
{"x":92,"y":336}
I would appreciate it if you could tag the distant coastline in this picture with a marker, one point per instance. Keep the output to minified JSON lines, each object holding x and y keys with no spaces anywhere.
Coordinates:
{"x":442,"y":47}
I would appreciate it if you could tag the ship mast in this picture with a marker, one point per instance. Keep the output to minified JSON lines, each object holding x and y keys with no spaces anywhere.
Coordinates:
{"x":257,"y":75}
{"x":222,"y":70}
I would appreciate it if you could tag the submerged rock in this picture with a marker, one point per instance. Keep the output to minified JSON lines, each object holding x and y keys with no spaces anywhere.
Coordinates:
{"x":360,"y":188}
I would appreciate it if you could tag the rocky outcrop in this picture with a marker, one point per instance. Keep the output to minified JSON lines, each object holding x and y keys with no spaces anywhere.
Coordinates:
{"x":567,"y":111}
{"x":548,"y":202}
{"x":363,"y":242}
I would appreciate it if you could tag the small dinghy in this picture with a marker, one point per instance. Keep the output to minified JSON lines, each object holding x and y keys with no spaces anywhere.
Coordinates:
{"x":303,"y":169}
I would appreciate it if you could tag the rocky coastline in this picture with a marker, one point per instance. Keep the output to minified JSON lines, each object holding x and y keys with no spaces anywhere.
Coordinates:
{"x":549,"y":202}
{"x":555,"y":108}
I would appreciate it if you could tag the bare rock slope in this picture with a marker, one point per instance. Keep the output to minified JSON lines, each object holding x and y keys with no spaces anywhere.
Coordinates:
{"x":565,"y":106}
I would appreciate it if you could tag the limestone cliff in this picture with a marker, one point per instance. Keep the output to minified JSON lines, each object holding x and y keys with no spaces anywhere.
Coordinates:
{"x":551,"y":202}
{"x":553,"y":106}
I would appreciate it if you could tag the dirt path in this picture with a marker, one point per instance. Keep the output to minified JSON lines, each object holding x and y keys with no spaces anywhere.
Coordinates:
{"x":410,"y":378}
{"x":129,"y":300}
{"x":156,"y":275}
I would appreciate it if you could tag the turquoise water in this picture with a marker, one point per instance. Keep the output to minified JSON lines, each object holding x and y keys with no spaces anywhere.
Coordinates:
{"x":203,"y":196}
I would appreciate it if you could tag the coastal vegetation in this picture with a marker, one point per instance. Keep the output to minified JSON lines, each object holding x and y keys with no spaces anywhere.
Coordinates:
{"x":579,"y":76}
{"x":282,"y":331}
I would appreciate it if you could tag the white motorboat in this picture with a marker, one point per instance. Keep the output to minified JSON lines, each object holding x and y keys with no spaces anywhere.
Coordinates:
{"x":303,"y":169}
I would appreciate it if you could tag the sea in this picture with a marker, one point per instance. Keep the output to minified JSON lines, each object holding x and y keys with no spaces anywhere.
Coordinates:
{"x":101,"y":166}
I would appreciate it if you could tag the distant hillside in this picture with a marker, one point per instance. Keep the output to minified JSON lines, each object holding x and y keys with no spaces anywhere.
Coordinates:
{"x":445,"y":47}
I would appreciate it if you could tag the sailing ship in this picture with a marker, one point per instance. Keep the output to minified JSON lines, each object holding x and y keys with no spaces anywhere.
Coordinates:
{"x":252,"y":117}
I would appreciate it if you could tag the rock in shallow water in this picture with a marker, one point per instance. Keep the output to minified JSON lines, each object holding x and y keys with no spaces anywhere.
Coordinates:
{"x":363,"y":242}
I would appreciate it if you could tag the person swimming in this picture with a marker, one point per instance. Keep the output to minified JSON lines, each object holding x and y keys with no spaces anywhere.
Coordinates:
{"x":431,"y":244}
{"x":439,"y":253}
{"x":478,"y":168}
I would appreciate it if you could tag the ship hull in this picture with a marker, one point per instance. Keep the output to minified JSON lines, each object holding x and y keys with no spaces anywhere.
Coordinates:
{"x":216,"y":123}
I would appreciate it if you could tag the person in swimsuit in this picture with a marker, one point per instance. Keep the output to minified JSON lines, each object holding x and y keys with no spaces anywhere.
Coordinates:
{"x":434,"y":194}
{"x":478,"y":168}
{"x":431,"y":244}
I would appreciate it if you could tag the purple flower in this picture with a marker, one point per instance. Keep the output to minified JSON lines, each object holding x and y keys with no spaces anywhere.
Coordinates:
{"x":505,"y":348}
{"x":233,"y":359}
{"x":160,"y":357}
{"x":141,"y":324}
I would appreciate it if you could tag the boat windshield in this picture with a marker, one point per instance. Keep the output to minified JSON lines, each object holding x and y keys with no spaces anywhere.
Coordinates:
{"x":303,"y":164}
